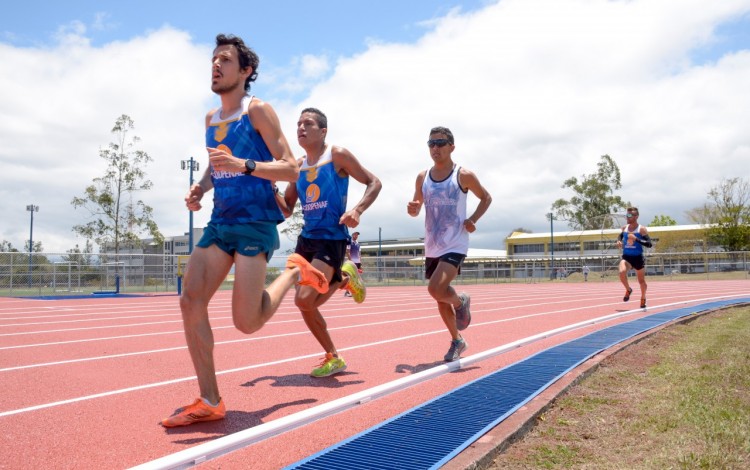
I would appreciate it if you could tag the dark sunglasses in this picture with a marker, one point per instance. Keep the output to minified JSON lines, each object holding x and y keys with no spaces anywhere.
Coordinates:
{"x":439,"y":142}
{"x":631,"y":215}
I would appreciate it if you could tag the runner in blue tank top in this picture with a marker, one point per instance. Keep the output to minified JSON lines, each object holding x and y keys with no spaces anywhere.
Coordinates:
{"x":322,"y":189}
{"x":633,"y":237}
{"x":246,"y":151}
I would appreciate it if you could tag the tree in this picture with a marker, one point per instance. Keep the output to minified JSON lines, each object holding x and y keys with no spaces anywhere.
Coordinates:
{"x":662,"y":221}
{"x":705,"y":215}
{"x":7,"y":247}
{"x":518,"y":230}
{"x":80,"y":257}
{"x":594,"y":198}
{"x":730,"y":207}
{"x":117,"y":218}
{"x":294,"y":223}
{"x":37,"y":247}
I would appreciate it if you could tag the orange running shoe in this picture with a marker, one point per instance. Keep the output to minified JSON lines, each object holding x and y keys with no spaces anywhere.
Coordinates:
{"x":308,"y":276}
{"x":196,"y":412}
{"x":627,"y":294}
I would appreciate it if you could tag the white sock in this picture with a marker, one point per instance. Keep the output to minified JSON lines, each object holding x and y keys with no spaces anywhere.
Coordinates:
{"x":212,"y":405}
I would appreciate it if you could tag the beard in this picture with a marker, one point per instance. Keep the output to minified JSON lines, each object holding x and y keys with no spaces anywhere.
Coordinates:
{"x":221,"y":89}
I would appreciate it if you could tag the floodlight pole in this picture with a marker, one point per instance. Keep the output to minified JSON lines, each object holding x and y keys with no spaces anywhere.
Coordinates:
{"x":551,"y":245}
{"x":380,"y":244}
{"x":31,"y":208}
{"x":191,"y":165}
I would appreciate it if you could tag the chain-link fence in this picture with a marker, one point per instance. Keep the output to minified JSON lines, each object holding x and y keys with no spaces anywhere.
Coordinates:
{"x":666,"y":266}
{"x":40,"y":274}
{"x":49,"y":274}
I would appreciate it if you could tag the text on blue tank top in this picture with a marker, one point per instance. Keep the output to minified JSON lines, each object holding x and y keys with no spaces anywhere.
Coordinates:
{"x":240,"y":198}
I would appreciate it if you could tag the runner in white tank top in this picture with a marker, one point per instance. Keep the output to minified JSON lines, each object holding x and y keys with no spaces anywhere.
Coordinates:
{"x":442,"y":190}
{"x":445,"y":211}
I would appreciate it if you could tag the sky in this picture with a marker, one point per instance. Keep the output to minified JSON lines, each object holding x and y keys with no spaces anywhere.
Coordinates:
{"x":535,"y":92}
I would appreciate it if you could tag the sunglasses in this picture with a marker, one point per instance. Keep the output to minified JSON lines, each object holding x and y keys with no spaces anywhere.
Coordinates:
{"x":438,"y":142}
{"x":631,"y":215}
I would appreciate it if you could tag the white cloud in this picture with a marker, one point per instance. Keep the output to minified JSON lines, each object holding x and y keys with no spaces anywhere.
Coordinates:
{"x":313,"y":67}
{"x":535,"y":92}
{"x":60,"y":106}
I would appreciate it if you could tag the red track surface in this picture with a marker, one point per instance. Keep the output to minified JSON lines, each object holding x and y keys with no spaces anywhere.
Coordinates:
{"x":84,"y":383}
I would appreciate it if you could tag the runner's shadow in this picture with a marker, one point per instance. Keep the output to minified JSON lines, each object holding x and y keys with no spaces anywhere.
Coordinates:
{"x":408,"y":368}
{"x":234,"y":421}
{"x":304,"y":380}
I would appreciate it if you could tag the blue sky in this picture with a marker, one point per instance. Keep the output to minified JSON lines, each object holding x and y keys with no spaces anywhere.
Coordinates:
{"x":535,"y":92}
{"x":278,"y":30}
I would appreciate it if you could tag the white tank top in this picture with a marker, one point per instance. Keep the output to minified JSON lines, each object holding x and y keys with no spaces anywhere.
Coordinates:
{"x":445,"y":212}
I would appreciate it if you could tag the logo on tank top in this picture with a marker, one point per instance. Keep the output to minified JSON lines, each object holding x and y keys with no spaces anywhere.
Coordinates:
{"x":311,"y":175}
{"x":313,"y":208}
{"x":220,"y":175}
{"x":221,"y":131}
{"x":312,"y":193}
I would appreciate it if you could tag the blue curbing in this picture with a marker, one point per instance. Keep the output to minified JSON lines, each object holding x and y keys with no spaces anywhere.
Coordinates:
{"x":431,"y":434}
{"x":93,"y":295}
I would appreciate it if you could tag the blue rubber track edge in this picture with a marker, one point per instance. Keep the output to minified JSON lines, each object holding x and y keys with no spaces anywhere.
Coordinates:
{"x":429,"y":435}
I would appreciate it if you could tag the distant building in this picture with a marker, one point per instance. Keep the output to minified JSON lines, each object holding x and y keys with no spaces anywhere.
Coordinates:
{"x":526,"y":254}
{"x":153,"y":259}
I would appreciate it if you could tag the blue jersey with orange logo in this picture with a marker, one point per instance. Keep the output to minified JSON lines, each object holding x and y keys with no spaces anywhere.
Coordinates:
{"x":240,"y":198}
{"x":632,"y":247}
{"x":322,"y":193}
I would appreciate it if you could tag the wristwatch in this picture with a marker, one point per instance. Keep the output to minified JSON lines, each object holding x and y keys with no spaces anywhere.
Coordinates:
{"x":249,"y":166}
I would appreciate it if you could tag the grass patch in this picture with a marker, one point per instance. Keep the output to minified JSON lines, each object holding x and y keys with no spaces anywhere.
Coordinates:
{"x":678,"y":399}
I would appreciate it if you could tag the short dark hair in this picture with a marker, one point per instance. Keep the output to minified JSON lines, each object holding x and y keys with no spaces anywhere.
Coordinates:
{"x":320,"y":118}
{"x":443,"y":130}
{"x":247,"y":56}
{"x":633,"y":209}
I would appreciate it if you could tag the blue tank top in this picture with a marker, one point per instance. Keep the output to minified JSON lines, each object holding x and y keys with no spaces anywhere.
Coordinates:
{"x":631,"y":248}
{"x":240,"y":198}
{"x":322,"y":193}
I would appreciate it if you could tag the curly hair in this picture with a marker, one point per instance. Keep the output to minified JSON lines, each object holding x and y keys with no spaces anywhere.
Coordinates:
{"x":247,"y":56}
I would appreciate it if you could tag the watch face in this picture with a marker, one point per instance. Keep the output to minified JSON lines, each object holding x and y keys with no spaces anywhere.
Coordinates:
{"x":249,"y":166}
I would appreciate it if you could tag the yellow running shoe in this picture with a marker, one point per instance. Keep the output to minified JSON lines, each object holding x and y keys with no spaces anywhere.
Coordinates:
{"x":329,"y":366}
{"x":196,"y":412}
{"x":355,"y":284}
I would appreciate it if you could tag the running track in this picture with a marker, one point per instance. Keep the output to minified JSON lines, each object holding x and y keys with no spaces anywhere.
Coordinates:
{"x":84,"y":382}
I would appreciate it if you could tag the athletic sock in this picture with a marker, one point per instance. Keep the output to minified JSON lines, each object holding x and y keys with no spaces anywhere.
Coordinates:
{"x":212,"y":405}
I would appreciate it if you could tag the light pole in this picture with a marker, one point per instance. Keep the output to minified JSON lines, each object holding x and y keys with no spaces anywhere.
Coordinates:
{"x":31,"y":208}
{"x":380,"y":244}
{"x":191,"y":165}
{"x":551,"y":245}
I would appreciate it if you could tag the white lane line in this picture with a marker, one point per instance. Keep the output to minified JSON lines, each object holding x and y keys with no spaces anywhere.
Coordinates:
{"x":210,"y":450}
{"x":241,"y":340}
{"x":72,"y":361}
{"x":367,"y":345}
{"x":184,"y":379}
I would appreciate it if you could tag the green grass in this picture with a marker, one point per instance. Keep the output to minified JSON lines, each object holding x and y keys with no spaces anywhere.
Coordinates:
{"x":679,"y":399}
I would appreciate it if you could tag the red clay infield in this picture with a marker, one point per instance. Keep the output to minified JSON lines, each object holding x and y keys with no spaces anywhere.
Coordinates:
{"x":85,"y":382}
